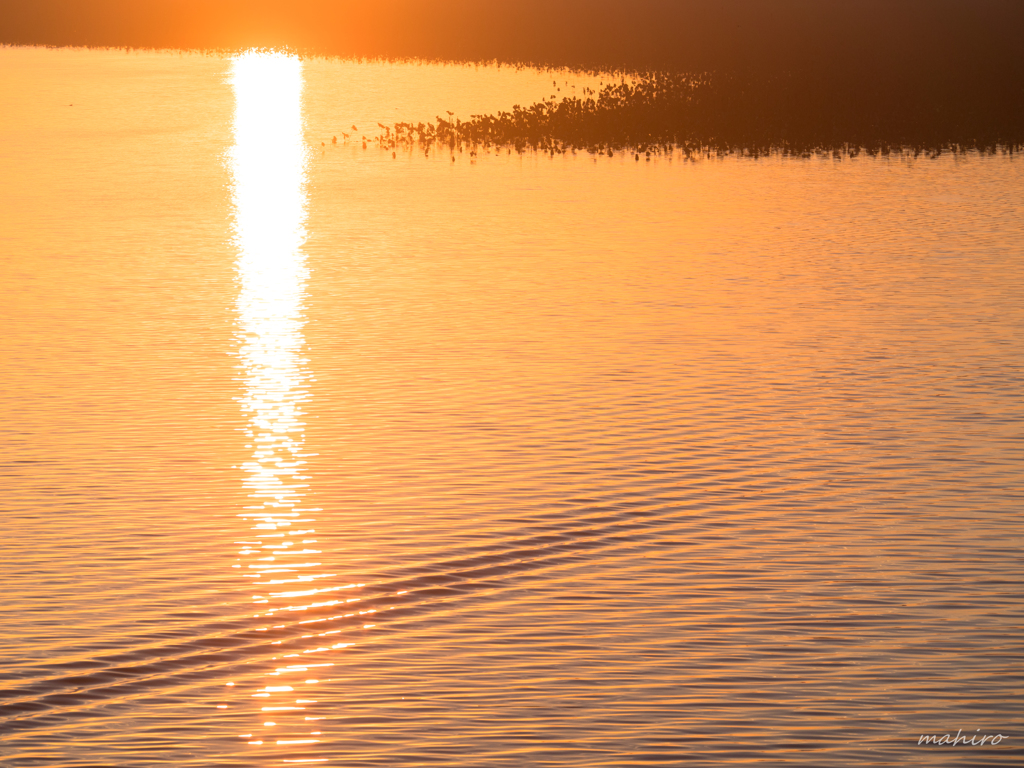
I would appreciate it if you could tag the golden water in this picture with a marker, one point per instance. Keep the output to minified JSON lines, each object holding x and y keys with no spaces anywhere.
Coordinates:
{"x":312,"y":454}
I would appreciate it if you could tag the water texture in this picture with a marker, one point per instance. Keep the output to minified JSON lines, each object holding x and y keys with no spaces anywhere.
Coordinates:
{"x":312,"y":454}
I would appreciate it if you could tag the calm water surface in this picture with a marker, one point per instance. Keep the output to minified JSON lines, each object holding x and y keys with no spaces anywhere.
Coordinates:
{"x":314,"y":455}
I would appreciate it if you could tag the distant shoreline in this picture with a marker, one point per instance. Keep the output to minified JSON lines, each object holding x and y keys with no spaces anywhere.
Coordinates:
{"x":906,"y":39}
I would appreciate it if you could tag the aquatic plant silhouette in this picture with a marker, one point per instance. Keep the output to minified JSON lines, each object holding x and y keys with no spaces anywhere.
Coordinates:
{"x":701,"y":116}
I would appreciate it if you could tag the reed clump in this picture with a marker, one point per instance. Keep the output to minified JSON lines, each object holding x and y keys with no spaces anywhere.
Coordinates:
{"x":705,"y":115}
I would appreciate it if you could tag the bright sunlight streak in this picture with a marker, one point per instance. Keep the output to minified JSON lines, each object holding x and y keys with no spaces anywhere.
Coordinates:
{"x":268,"y":163}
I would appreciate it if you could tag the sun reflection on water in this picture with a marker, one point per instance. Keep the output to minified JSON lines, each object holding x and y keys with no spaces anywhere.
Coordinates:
{"x":268,"y":164}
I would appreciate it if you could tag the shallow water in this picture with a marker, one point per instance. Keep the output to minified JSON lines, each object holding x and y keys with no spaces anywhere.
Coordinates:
{"x":502,"y":461}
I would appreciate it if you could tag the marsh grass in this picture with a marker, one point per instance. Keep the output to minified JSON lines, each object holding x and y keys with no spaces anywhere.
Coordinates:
{"x":704,"y":115}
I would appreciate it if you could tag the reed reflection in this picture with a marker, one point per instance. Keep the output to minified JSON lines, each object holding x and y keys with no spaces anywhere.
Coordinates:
{"x":268,"y":164}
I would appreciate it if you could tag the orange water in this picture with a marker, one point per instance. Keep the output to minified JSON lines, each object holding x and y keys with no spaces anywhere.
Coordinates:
{"x":313,"y":454}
